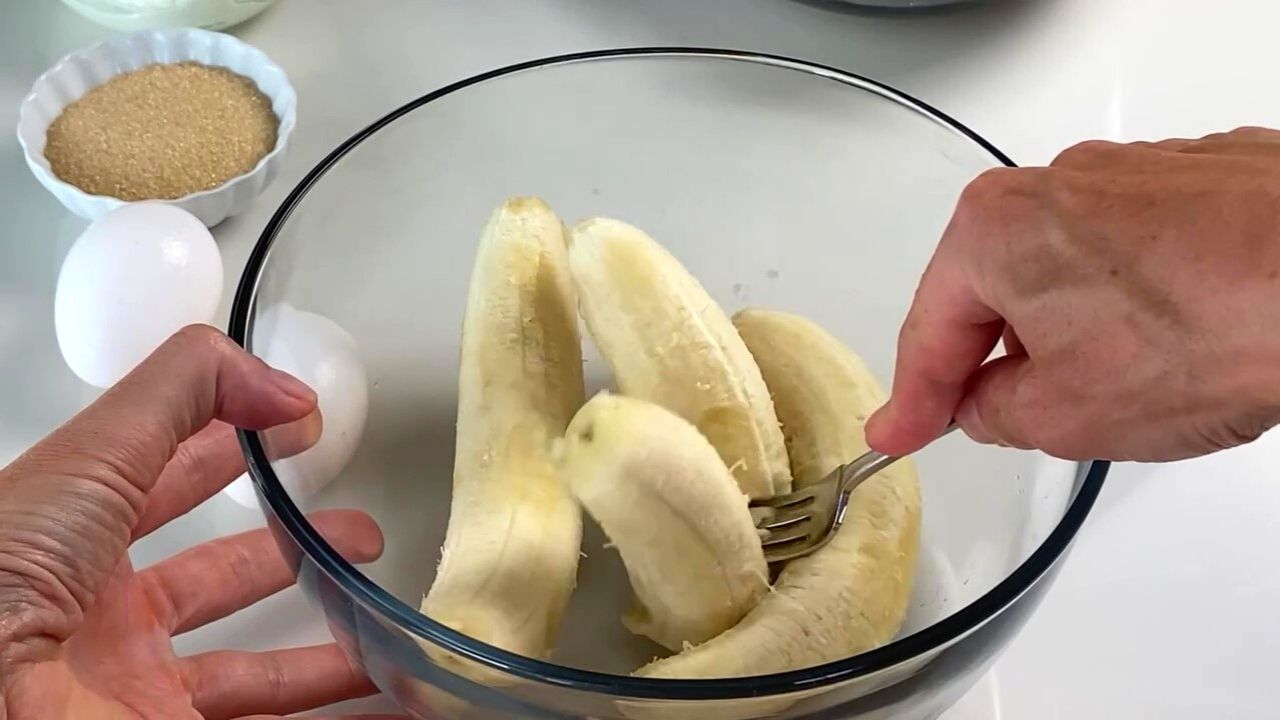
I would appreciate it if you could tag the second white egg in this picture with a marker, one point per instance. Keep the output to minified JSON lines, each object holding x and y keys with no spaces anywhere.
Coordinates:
{"x":318,"y":352}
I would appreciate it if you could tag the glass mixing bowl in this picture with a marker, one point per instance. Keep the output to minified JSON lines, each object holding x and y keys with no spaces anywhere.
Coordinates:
{"x":904,"y":4}
{"x":778,"y":183}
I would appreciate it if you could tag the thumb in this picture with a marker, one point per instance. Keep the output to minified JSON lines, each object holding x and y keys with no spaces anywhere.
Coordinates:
{"x":126,"y":437}
{"x":69,"y":504}
{"x":1000,"y":406}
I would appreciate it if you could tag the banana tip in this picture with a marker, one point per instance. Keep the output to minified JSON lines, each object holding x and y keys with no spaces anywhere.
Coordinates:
{"x":525,"y":203}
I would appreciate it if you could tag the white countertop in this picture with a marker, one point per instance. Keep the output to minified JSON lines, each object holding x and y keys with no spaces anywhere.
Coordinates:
{"x":1166,"y":604}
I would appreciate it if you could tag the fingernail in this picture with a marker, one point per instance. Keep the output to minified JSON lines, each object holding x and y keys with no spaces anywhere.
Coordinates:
{"x":971,"y":422}
{"x":292,"y":386}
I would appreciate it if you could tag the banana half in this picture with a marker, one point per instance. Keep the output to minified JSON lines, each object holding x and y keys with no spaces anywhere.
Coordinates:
{"x":511,"y":550}
{"x":852,"y":595}
{"x":669,"y":343}
{"x":670,"y":507}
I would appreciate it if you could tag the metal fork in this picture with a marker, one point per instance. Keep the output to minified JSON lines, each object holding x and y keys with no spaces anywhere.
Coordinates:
{"x":798,"y":523}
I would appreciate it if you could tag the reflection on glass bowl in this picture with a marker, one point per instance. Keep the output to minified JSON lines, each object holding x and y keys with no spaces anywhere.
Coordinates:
{"x":315,"y":350}
{"x":905,"y":5}
{"x":777,"y":183}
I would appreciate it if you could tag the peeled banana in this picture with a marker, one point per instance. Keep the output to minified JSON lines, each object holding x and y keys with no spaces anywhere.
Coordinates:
{"x":514,"y":536}
{"x":851,"y":595}
{"x":670,"y":507}
{"x":669,"y":343}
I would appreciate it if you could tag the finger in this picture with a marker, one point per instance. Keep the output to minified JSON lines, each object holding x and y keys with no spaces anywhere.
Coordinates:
{"x":1112,"y":157}
{"x":213,"y":580}
{"x":1258,"y":137}
{"x":1015,"y":402}
{"x":1002,"y":404}
{"x":1168,"y":145}
{"x":1244,"y":142}
{"x":209,"y":460}
{"x":948,"y":332}
{"x":125,"y":438}
{"x":1235,"y":146}
{"x":231,"y":684}
{"x":1086,"y":155}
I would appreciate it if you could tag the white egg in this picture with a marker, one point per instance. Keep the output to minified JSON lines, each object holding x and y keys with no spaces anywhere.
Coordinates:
{"x":133,"y":278}
{"x":317,"y":351}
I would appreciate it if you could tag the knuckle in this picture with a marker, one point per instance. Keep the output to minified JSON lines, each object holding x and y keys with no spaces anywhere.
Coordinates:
{"x":190,"y":467}
{"x":1084,"y":153}
{"x":198,"y":332}
{"x":934,"y":360}
{"x":1251,"y":131}
{"x":1220,"y":137}
{"x":991,"y":204}
{"x":275,"y":676}
{"x":202,"y":336}
{"x":1254,"y":133}
{"x":990,"y":186}
{"x":1237,"y":431}
{"x":239,"y":566}
{"x":198,"y":343}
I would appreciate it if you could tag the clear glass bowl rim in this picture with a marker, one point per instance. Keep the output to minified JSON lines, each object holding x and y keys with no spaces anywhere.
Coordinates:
{"x":376,"y":600}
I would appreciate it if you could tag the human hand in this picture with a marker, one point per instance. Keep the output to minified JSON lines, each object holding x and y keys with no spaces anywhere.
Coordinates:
{"x":1137,"y":289}
{"x":83,"y":635}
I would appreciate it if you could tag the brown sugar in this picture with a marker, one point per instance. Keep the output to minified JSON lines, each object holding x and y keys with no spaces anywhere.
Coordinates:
{"x":161,"y":132}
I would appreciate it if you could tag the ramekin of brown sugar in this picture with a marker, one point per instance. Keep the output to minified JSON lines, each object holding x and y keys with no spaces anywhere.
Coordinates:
{"x":194,"y":118}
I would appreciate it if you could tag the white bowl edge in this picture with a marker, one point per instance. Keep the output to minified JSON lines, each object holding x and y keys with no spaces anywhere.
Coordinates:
{"x":78,"y":72}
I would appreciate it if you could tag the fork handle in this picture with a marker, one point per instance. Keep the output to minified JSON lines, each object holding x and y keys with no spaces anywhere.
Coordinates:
{"x":863,"y":467}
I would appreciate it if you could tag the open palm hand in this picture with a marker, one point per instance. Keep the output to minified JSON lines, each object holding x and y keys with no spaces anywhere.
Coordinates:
{"x":85,"y":636}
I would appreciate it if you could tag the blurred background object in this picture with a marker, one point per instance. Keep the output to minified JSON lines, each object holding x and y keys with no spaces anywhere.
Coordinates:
{"x":129,"y":15}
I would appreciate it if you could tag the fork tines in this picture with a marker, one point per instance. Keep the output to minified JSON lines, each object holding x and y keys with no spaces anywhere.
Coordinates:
{"x":787,"y":520}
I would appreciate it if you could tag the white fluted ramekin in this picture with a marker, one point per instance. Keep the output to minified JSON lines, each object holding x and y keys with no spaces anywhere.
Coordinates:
{"x":77,"y":73}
